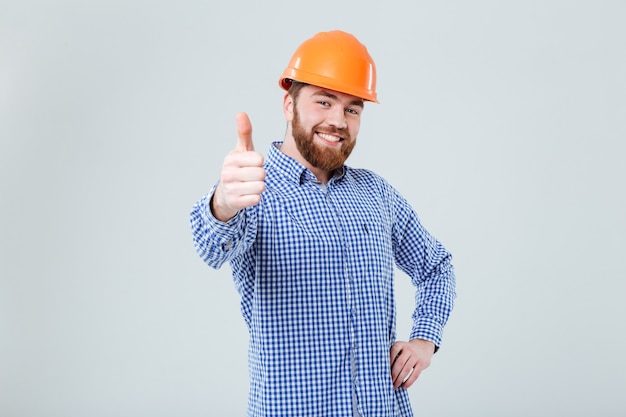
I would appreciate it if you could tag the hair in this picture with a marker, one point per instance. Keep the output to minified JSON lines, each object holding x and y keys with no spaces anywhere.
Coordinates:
{"x":294,"y":89}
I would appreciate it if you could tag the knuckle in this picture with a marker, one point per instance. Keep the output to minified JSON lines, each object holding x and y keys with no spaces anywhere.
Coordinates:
{"x":227,"y":177}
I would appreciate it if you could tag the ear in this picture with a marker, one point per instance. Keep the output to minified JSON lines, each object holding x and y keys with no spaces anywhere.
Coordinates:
{"x":288,"y":107}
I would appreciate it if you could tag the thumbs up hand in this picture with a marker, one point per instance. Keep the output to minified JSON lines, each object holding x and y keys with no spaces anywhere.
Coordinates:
{"x":241,"y":181}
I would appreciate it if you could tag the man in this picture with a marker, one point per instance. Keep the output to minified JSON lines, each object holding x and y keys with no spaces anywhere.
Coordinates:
{"x":312,"y":245}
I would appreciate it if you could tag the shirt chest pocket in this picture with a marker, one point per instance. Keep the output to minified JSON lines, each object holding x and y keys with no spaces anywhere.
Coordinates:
{"x":371,"y":248}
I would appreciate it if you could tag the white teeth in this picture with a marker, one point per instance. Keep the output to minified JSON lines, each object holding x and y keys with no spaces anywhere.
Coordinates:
{"x":329,"y":138}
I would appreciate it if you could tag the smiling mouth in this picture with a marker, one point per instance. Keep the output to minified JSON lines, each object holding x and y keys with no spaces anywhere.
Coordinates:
{"x":329,"y":138}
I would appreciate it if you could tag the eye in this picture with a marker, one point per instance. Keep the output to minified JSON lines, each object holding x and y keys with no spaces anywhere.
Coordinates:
{"x":324,"y":103}
{"x":353,"y":111}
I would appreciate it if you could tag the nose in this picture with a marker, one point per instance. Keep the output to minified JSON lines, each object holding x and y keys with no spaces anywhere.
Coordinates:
{"x":337,"y":117}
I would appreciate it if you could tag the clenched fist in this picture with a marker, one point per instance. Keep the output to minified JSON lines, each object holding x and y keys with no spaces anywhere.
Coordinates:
{"x":241,"y":181}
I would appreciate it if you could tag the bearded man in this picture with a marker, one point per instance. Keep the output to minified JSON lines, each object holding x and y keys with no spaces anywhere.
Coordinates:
{"x":312,"y":245}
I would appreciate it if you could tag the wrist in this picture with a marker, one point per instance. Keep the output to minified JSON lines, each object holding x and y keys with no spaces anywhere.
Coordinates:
{"x":425,"y":344}
{"x":218,"y":211}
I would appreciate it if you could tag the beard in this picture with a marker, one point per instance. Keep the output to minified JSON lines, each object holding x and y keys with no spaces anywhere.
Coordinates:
{"x":321,"y":157}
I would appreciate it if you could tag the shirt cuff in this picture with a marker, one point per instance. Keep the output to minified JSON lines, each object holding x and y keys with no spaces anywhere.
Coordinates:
{"x":222,"y":233}
{"x":427,"y":329}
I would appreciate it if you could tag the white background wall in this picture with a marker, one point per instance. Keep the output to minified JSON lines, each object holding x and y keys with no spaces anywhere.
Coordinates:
{"x":503,"y":122}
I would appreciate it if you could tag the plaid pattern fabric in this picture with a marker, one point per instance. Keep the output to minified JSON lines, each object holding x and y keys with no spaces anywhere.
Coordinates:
{"x":314,"y":265}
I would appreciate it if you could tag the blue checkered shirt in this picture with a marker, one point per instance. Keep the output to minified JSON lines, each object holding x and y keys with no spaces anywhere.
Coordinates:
{"x":314,"y":266}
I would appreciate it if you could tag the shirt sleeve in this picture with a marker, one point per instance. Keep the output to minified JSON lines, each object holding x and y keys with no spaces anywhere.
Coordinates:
{"x":429,"y":264}
{"x":217,"y":242}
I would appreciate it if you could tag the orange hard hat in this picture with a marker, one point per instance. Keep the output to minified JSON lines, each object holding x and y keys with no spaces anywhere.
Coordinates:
{"x":335,"y":60}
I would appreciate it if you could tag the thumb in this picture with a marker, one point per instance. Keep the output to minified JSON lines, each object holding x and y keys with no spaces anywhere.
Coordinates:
{"x":244,"y":132}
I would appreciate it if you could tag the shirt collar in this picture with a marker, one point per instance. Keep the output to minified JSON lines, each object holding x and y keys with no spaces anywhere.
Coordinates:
{"x":293,"y":170}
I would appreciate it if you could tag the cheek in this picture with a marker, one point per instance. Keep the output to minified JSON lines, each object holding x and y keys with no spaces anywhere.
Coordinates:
{"x":311,"y":122}
{"x":354,"y":129}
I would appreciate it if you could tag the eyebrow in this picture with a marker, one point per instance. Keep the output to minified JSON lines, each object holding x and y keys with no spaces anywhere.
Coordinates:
{"x":330,"y":95}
